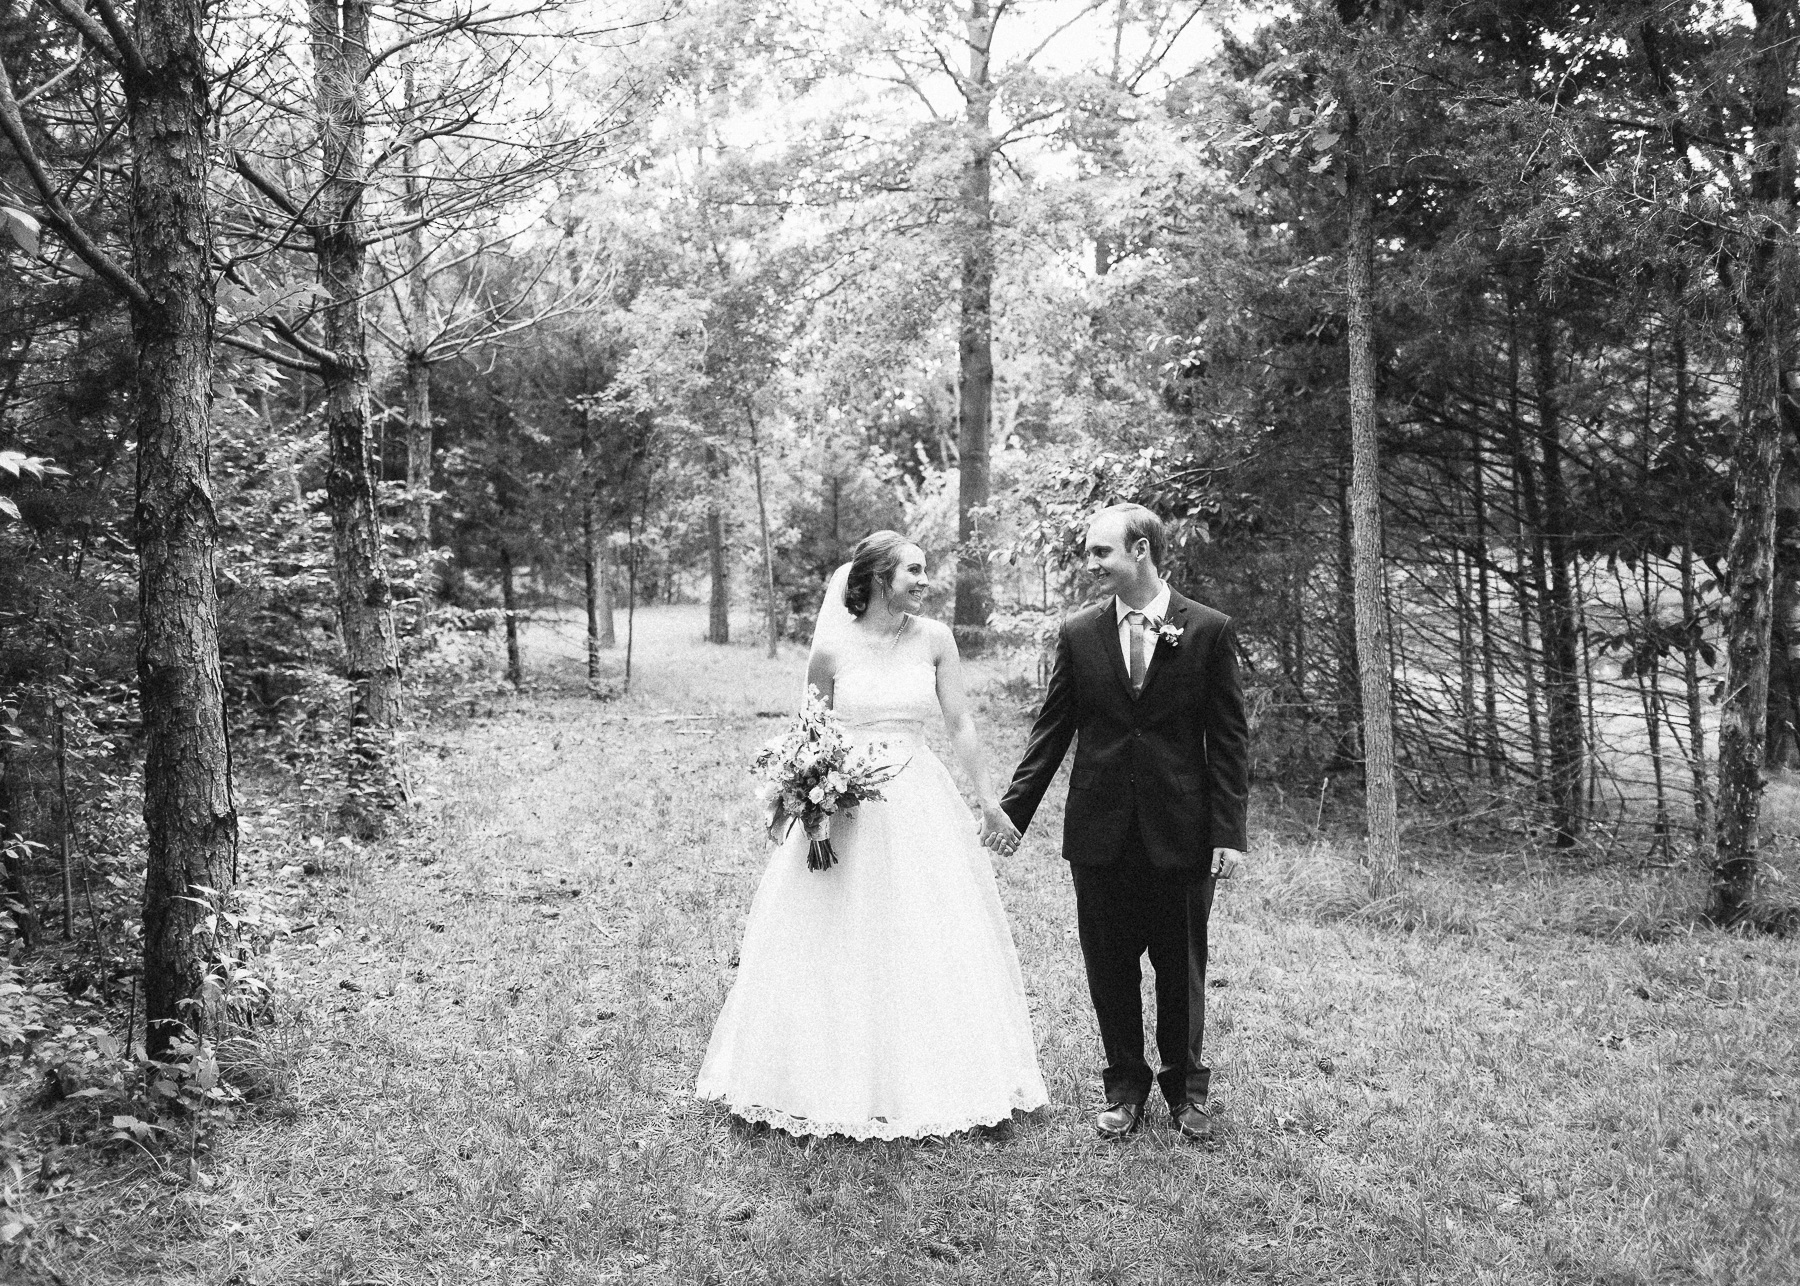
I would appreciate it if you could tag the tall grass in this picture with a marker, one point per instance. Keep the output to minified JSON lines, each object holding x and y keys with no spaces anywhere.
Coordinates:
{"x":1502,"y":1076}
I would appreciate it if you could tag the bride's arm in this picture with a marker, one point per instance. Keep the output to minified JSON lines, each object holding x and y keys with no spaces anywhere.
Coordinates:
{"x":821,"y":673}
{"x":953,"y":700}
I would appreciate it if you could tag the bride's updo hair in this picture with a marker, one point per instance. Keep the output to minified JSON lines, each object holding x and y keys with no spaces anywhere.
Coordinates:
{"x":873,"y":560}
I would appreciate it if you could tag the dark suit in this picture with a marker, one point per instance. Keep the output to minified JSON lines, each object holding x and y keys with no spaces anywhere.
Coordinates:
{"x":1159,"y":781}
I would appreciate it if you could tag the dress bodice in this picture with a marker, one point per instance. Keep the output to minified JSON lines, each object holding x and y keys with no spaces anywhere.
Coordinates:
{"x":887,"y":702}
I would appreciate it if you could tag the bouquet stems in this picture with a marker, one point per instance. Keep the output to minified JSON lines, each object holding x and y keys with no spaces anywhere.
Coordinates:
{"x":819,"y":854}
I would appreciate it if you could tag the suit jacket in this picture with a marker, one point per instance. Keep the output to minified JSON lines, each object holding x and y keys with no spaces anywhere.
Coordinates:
{"x":1176,"y":756}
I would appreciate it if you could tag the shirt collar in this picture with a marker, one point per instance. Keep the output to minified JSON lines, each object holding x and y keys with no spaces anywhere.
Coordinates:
{"x":1156,"y":609}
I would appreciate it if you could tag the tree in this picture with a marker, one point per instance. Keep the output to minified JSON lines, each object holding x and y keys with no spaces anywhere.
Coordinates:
{"x":1368,"y":571}
{"x":1759,"y":268}
{"x":189,"y":811}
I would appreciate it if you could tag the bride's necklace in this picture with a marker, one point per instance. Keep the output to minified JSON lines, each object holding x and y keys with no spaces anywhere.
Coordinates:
{"x":893,"y":640}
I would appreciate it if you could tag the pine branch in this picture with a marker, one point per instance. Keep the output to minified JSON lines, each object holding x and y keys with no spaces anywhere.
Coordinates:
{"x":57,"y":214}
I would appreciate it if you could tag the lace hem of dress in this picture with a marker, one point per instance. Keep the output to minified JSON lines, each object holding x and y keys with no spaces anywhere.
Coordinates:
{"x":862,"y":1131}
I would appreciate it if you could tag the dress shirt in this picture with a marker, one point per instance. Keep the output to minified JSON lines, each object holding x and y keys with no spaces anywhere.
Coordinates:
{"x":1157,"y":608}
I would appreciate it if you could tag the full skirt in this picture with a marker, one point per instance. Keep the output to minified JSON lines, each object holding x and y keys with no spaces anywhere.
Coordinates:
{"x":879,"y":999}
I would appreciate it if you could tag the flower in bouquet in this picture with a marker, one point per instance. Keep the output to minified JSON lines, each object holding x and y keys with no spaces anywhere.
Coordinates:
{"x":812,"y":773}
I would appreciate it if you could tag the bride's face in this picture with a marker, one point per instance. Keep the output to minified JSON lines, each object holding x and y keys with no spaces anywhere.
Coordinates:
{"x":910,"y":582}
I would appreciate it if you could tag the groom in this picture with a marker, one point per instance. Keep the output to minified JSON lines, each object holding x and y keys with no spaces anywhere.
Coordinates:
{"x":1147,"y":680}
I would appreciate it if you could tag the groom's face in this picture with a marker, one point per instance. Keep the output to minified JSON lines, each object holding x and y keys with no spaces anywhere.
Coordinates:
{"x":1113,"y":567}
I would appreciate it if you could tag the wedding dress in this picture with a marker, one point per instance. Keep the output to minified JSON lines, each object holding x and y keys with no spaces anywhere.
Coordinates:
{"x":880,"y":998}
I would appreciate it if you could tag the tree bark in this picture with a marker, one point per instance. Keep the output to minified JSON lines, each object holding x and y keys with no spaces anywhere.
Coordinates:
{"x":190,"y":818}
{"x":718,"y":615}
{"x":1765,"y":313}
{"x":1649,"y":676}
{"x":596,"y":583}
{"x":1691,"y":628}
{"x":1490,"y":702}
{"x":340,"y":47}
{"x":590,"y":575}
{"x":1533,"y":586}
{"x":509,"y":604}
{"x":416,"y":302}
{"x":1696,"y":707}
{"x":1562,"y":668}
{"x":1347,"y":753}
{"x":1782,"y":745}
{"x":1373,"y":644}
{"x":768,"y":544}
{"x":1461,"y":578}
{"x":975,"y":347}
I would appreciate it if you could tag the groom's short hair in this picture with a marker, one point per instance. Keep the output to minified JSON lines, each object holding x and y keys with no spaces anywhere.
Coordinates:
{"x":1142,"y":524}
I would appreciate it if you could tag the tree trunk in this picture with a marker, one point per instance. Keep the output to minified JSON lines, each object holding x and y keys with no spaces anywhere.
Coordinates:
{"x":975,"y":348}
{"x":1765,"y":311}
{"x":1372,"y":625}
{"x":1348,"y":751}
{"x":509,"y":603}
{"x":190,"y":819}
{"x":1696,"y":708}
{"x":1691,"y":627}
{"x":596,"y":582}
{"x":340,"y":46}
{"x":1782,"y":746}
{"x":416,"y":302}
{"x":1649,"y":681}
{"x":1532,"y":578}
{"x":768,"y":544}
{"x":718,"y":615}
{"x":590,"y":577}
{"x":1461,"y":578}
{"x":1490,"y":701}
{"x":418,"y":462}
{"x":1562,"y":668}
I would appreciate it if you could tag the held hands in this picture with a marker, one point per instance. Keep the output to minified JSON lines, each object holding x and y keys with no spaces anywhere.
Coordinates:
{"x":997,"y":831}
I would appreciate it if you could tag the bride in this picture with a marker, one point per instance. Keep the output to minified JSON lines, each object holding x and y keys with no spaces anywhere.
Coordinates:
{"x":881,"y":998}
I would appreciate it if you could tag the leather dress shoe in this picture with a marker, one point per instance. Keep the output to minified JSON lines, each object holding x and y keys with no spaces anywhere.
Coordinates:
{"x":1193,"y":1121}
{"x":1119,"y":1119}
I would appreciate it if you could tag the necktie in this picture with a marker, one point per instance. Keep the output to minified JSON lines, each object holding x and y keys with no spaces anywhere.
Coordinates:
{"x":1136,"y":621}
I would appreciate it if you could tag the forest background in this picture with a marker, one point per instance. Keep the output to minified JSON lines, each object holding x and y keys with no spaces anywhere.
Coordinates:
{"x":1454,"y":341}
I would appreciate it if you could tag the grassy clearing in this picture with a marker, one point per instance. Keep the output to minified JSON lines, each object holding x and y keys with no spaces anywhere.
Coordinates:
{"x":1547,"y":1078}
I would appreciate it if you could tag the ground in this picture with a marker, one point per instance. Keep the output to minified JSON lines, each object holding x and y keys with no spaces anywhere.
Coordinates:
{"x":1510,"y":1074}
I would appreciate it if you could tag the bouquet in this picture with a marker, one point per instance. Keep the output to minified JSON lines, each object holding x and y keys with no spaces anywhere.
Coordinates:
{"x":814,"y":772}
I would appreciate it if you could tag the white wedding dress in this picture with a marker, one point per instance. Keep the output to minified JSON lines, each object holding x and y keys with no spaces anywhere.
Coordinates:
{"x":881,"y":998}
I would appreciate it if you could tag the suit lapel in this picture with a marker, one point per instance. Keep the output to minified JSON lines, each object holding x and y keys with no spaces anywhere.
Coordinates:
{"x":1106,"y":633}
{"x":1178,"y":610}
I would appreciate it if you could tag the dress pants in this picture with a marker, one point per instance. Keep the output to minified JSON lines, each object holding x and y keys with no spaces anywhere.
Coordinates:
{"x":1123,"y":910}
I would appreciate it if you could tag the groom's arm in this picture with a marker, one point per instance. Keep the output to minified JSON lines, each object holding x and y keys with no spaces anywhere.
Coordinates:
{"x":1051,"y":734}
{"x":1227,"y":742}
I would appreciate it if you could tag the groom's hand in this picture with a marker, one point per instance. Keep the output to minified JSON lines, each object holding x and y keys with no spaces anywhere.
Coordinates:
{"x":1227,"y":863}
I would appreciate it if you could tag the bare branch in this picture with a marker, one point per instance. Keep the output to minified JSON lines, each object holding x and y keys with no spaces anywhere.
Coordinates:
{"x":270,"y":355}
{"x":90,"y":31}
{"x":324,"y":356}
{"x":266,"y":185}
{"x":52,"y":83}
{"x":131,"y":57}
{"x":1028,"y":59}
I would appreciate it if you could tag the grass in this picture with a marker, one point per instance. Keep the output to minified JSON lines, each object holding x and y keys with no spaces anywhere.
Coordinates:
{"x":1508,"y":1075}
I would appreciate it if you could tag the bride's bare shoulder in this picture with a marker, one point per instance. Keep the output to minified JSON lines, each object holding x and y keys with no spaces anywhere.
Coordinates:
{"x":937,"y":637}
{"x":824,"y":658}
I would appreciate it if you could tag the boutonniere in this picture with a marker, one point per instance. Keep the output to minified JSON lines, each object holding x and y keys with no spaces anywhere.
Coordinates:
{"x":1166,"y":630}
